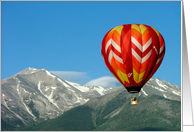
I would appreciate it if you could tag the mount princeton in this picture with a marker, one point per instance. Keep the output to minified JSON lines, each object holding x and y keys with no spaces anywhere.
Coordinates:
{"x":33,"y":96}
{"x":36,"y":95}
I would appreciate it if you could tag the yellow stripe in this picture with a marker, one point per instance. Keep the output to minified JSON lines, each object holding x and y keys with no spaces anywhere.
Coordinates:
{"x":142,"y":28}
{"x":141,"y":76}
{"x":135,"y":75}
{"x":136,"y":27}
{"x":138,"y":77}
{"x":118,"y":29}
{"x":122,"y":76}
{"x":155,"y":31}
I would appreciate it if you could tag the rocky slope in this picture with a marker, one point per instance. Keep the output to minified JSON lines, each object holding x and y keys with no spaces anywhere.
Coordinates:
{"x":35,"y":95}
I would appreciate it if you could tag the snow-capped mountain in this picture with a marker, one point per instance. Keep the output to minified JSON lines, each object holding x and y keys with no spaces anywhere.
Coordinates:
{"x":33,"y":95}
{"x":38,"y":94}
{"x":162,"y":88}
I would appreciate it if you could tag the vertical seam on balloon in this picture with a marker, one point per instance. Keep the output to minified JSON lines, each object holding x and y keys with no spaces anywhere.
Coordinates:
{"x":122,"y":54}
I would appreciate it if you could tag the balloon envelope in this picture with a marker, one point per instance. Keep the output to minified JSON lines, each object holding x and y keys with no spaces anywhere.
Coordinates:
{"x":133,"y":53}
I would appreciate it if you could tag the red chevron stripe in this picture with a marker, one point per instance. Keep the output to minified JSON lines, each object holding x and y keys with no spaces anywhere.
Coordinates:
{"x":147,"y":51}
{"x":136,"y":49}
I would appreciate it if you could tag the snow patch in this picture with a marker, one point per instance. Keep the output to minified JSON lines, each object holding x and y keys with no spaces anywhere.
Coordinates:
{"x":48,"y":97}
{"x":160,"y":84}
{"x":79,"y":87}
{"x":17,"y":88}
{"x":26,"y":91}
{"x":82,"y":88}
{"x":100,"y":90}
{"x":158,"y":88}
{"x":166,"y":96}
{"x":71,"y":90}
{"x":63,"y":83}
{"x":144,"y":92}
{"x":78,"y":99}
{"x":177,"y":93}
{"x":53,"y":88}
{"x":50,"y":74}
{"x":47,"y":88}
{"x":86,"y":100}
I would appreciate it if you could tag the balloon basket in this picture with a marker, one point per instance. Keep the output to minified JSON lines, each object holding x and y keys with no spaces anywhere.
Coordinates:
{"x":133,"y":102}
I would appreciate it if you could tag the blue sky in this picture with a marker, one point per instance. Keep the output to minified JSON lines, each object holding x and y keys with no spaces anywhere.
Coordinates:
{"x":65,"y":37}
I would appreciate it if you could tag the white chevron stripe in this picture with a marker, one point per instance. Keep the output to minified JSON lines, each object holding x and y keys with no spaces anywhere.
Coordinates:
{"x":141,"y":60}
{"x":107,"y":45}
{"x":112,"y":54}
{"x":147,"y":56}
{"x":111,"y":41}
{"x":136,"y":55}
{"x":160,"y":59}
{"x":118,"y":48}
{"x":149,"y":42}
{"x":162,"y":48}
{"x":140,"y":47}
{"x":136,"y":43}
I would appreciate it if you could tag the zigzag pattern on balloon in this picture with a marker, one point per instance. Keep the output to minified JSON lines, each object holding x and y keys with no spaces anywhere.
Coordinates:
{"x":133,"y":53}
{"x":113,"y":52}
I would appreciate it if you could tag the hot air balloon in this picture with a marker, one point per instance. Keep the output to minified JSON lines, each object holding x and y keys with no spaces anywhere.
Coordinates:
{"x":133,"y":53}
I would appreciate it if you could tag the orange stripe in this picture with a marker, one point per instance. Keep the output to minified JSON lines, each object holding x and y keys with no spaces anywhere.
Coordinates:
{"x":142,"y":67}
{"x":117,"y":65}
{"x":146,"y":38}
{"x":145,"y":34}
{"x":137,"y":37}
{"x":136,"y":61}
{"x":116,"y":38}
{"x":136,"y":34}
{"x":114,"y":65}
{"x":109,"y":36}
{"x":120,"y":66}
{"x":136,"y":67}
{"x":145,"y":64}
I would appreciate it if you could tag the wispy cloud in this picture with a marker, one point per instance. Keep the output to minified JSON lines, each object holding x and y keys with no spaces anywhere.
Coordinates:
{"x":105,"y":81}
{"x":84,"y":79}
{"x":73,"y":76}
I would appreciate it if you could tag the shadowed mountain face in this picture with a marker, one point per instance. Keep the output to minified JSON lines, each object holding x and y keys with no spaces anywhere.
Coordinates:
{"x":35,"y":96}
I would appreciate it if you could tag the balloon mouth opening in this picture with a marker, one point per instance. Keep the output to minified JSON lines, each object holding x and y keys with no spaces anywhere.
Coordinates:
{"x":133,"y":89}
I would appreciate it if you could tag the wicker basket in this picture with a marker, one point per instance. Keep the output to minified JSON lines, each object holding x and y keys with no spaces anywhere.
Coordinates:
{"x":133,"y":102}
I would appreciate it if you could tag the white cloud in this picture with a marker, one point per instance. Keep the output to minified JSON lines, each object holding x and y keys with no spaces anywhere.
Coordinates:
{"x":72,"y":76}
{"x":83,"y":78}
{"x":105,"y":81}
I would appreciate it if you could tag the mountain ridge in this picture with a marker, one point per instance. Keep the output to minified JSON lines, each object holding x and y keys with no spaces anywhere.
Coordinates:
{"x":34,"y":95}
